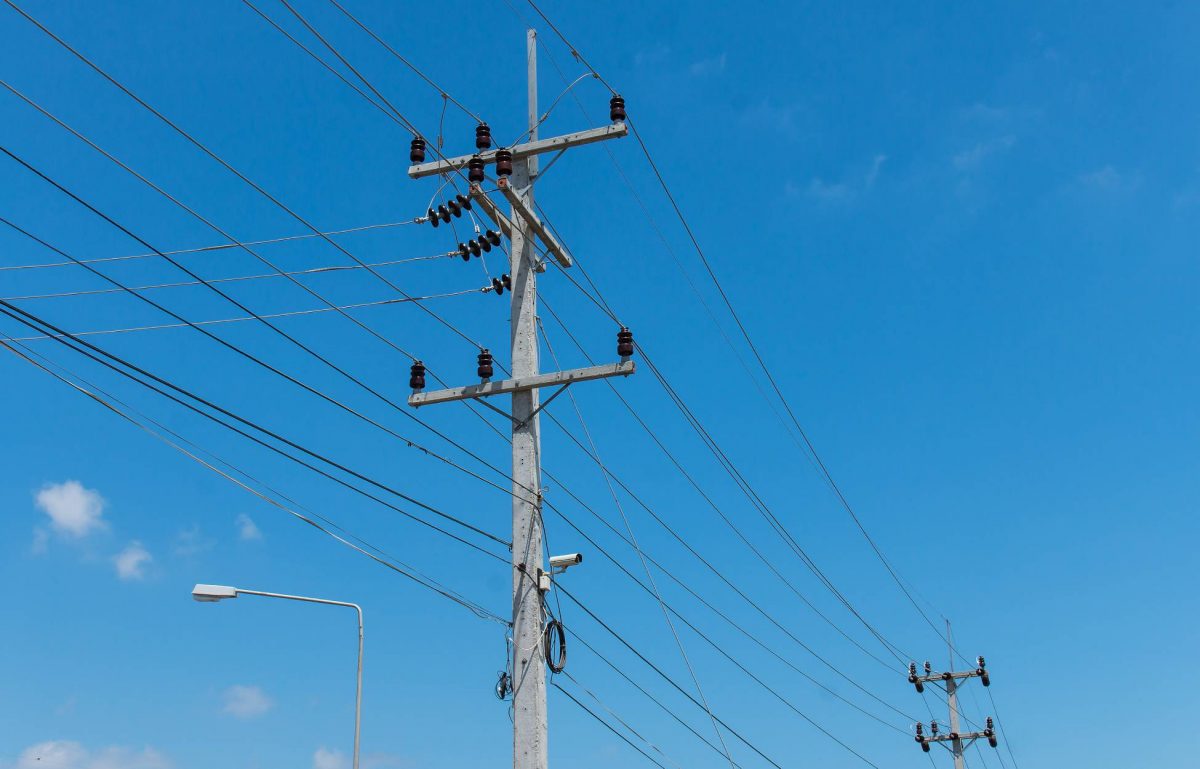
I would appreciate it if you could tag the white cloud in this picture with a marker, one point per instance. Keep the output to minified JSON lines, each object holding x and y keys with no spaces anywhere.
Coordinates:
{"x":191,"y":541}
{"x":131,"y":562}
{"x":247,"y":701}
{"x":876,"y":167}
{"x":709,"y":66}
{"x":72,"y":509}
{"x":67,"y":754}
{"x":248,"y":530}
{"x":329,"y":759}
{"x":969,"y":160}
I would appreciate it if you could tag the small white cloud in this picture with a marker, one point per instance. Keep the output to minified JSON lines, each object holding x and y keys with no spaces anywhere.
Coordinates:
{"x":711,"y":66}
{"x":191,"y":541}
{"x":829,"y":191}
{"x":329,"y":759}
{"x":131,"y":562}
{"x":873,"y":173}
{"x":247,"y":701}
{"x":67,"y":754}
{"x":248,"y":530}
{"x":969,"y":160}
{"x":72,"y":509}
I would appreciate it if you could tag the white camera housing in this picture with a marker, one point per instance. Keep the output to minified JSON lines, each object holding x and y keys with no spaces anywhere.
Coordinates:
{"x":560,"y":563}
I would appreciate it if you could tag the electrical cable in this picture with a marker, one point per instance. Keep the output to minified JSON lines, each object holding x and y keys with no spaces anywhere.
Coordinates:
{"x":224,"y":246}
{"x":419,"y":579}
{"x":622,"y":721}
{"x":746,"y":335}
{"x":607,"y":725}
{"x":717,"y":572}
{"x":234,"y":279}
{"x":269,"y":315}
{"x":117,"y":363}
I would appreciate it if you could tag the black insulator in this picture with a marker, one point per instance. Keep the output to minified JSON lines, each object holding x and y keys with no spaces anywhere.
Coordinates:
{"x":933,"y":727}
{"x":444,"y":213}
{"x":416,"y":151}
{"x":925,"y":746}
{"x":483,"y":136}
{"x":928,"y":667}
{"x":981,"y":662}
{"x":483,"y":243}
{"x":416,"y":379}
{"x":433,"y":217}
{"x":474,"y":246}
{"x":507,"y":281}
{"x":920,"y":732}
{"x":985,"y":679}
{"x":504,"y":163}
{"x":475,"y":170}
{"x":624,"y":342}
{"x":992,"y":741}
{"x":616,"y":109}
{"x":492,"y":236}
{"x":497,"y":286}
{"x":485,"y":364}
{"x":463,"y":201}
{"x":454,"y":207}
{"x":464,"y":252}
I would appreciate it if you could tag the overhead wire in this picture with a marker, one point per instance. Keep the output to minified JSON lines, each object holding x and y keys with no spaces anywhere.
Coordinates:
{"x":224,"y":246}
{"x":611,"y":477}
{"x":398,"y":567}
{"x":234,"y":279}
{"x":828,"y":476}
{"x":123,"y":367}
{"x":268,"y":315}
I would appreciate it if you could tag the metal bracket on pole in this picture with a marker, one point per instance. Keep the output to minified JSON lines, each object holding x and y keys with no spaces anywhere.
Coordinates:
{"x":520,"y":151}
{"x":509,"y":386}
{"x":522,"y":209}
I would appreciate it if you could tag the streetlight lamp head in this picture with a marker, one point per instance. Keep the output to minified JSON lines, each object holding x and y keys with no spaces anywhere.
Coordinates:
{"x":213,"y":593}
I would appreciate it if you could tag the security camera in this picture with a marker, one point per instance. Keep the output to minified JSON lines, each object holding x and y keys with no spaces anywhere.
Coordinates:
{"x":560,"y":563}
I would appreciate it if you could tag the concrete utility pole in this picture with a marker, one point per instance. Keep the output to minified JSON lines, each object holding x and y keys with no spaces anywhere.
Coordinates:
{"x":516,"y":169}
{"x":956,"y":741}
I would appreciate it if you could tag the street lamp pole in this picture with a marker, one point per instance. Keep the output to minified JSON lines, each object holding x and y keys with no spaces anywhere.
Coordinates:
{"x":214,"y":593}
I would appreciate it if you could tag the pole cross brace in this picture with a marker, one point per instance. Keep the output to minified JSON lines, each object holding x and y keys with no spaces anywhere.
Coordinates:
{"x":508,"y":386}
{"x":522,"y":209}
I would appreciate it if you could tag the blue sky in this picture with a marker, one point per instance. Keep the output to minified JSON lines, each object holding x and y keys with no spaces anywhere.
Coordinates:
{"x":962,"y":238}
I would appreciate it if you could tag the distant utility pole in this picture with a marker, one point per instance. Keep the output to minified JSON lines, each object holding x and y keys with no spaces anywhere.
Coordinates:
{"x":957,"y":741}
{"x":516,"y":169}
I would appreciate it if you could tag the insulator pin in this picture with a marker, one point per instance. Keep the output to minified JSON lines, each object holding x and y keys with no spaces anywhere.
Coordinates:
{"x":483,"y":136}
{"x":454,"y":207}
{"x":616,"y":109}
{"x":464,"y":251}
{"x":504,"y":162}
{"x":433,"y":217}
{"x":624,"y":342}
{"x":492,"y":236}
{"x":485,"y":364}
{"x":444,"y":213}
{"x":416,"y":378}
{"x":474,"y":246}
{"x":475,"y":170}
{"x":416,"y":151}
{"x":501,"y":283}
{"x":463,"y":201}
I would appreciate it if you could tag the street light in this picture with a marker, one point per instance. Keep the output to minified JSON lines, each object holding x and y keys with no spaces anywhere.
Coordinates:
{"x":215,"y":593}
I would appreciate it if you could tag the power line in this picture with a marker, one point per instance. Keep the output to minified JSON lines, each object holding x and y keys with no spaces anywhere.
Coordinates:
{"x":222,"y":246}
{"x":405,"y":571}
{"x":746,"y":335}
{"x":269,"y":315}
{"x":235,"y":279}
{"x":103,"y":357}
{"x":607,"y":725}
